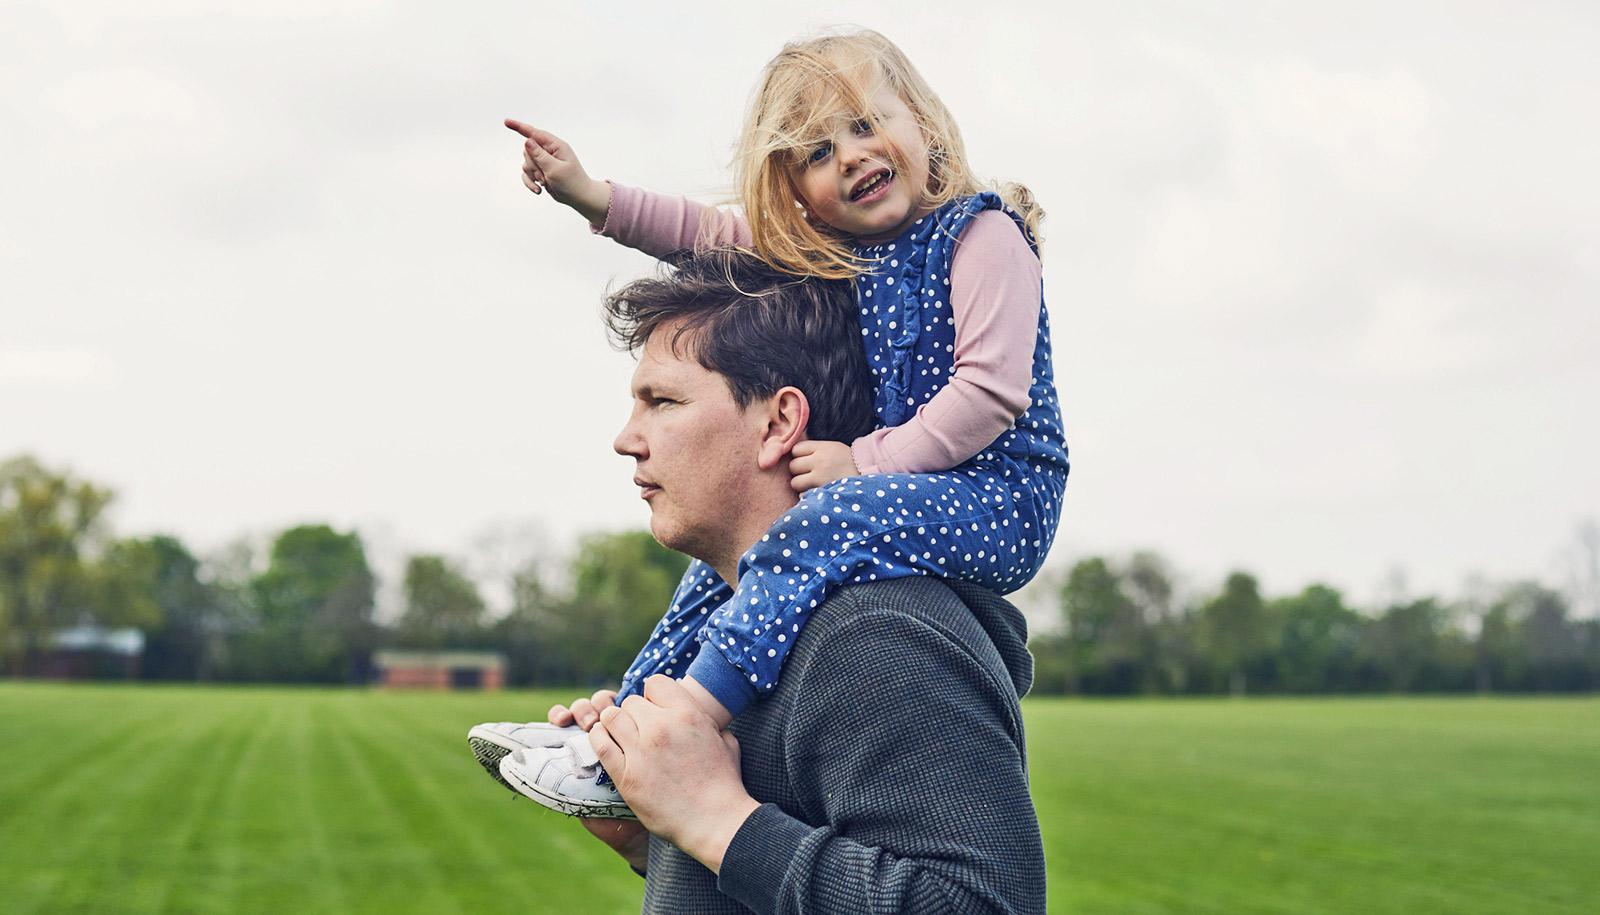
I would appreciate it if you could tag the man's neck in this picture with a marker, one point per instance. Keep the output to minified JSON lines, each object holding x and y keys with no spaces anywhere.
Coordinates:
{"x":752,"y":521}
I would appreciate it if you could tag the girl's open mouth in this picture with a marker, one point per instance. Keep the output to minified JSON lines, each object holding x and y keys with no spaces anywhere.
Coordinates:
{"x":873,"y":187}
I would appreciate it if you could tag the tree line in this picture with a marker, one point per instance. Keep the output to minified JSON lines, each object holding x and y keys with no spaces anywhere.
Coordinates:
{"x":1124,"y":631}
{"x":305,"y":611}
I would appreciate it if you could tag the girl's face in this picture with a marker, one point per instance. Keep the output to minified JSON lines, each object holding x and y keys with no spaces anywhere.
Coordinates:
{"x":848,"y":182}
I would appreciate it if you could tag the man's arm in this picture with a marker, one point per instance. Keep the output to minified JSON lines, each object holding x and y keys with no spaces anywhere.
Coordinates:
{"x":924,"y":806}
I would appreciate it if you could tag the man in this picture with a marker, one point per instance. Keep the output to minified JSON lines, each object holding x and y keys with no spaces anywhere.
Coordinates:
{"x":886,"y":772}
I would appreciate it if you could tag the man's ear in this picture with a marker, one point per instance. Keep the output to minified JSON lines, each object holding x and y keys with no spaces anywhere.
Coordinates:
{"x":787,"y":415}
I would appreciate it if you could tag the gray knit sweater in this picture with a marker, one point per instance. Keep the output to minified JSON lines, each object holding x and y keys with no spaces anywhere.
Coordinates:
{"x":889,"y":762}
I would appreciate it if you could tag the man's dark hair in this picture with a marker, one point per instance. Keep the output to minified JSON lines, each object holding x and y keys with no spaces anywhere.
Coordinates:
{"x":760,"y":329}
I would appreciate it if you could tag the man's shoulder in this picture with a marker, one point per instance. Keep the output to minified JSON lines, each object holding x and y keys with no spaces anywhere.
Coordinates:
{"x":937,"y":614}
{"x":931,"y":601}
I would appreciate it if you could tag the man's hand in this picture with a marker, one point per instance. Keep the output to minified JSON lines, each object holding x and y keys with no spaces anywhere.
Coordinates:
{"x":819,"y":463}
{"x":675,"y":769}
{"x":549,"y":164}
{"x":584,"y":712}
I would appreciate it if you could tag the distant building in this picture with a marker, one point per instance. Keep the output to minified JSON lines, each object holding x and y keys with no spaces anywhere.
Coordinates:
{"x":89,"y":652}
{"x":440,"y":669}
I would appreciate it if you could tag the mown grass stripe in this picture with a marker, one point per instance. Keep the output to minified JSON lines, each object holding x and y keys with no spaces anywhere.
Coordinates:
{"x":371,"y":819}
{"x":88,"y":803}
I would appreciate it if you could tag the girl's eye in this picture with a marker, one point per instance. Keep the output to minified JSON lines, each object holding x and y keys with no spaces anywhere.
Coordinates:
{"x":820,"y":153}
{"x":862,"y":127}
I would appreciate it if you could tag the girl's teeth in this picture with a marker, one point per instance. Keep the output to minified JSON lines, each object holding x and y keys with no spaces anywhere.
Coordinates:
{"x":876,"y":182}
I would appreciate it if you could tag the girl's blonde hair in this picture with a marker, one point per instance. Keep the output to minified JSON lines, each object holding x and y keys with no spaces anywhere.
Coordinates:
{"x":802,"y":93}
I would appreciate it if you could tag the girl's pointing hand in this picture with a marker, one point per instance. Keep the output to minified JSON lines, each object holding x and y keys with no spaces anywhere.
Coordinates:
{"x":549,"y":164}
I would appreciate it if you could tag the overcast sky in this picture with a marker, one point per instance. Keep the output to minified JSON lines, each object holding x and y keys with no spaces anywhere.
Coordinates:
{"x":1324,"y":284}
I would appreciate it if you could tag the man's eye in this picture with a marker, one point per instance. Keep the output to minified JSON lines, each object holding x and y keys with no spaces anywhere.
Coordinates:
{"x":820,"y":153}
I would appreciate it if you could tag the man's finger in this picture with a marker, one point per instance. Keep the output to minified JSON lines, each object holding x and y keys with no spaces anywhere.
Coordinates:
{"x":619,"y":726}
{"x":612,"y":756}
{"x":560,"y":716}
{"x":604,"y":697}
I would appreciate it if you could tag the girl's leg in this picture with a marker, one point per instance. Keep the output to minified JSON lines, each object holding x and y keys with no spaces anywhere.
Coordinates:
{"x":988,"y":523}
{"x":672,"y":645}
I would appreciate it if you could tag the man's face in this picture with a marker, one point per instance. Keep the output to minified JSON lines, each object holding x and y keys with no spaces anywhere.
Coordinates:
{"x":694,"y":449}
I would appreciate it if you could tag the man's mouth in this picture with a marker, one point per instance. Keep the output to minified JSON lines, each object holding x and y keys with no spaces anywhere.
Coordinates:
{"x":646,"y":488}
{"x":872,"y":184}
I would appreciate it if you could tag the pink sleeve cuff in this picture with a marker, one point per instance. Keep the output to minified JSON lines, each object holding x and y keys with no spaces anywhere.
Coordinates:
{"x":611,"y":207}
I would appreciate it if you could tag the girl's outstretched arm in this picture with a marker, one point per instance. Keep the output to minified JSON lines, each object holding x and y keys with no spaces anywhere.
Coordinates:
{"x":995,"y":290}
{"x":659,"y":224}
{"x":656,"y":224}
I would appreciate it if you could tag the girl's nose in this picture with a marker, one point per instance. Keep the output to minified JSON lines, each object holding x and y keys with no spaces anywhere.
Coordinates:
{"x":851,"y":152}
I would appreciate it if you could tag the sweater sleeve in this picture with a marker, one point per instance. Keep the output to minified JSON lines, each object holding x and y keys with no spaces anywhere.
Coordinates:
{"x":995,"y":287}
{"x":658,"y":224}
{"x":924,"y":811}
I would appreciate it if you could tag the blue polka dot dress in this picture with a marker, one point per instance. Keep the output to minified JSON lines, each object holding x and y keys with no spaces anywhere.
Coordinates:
{"x":989,"y":520}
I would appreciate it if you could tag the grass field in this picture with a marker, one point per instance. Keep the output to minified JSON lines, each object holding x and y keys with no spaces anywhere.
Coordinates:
{"x":158,"y":799}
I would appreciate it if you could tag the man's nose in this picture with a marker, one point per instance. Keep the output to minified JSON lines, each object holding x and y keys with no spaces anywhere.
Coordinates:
{"x":628,"y":442}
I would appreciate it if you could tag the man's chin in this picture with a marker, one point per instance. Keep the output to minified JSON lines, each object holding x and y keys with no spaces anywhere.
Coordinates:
{"x":662,"y":531}
{"x":675,"y":537}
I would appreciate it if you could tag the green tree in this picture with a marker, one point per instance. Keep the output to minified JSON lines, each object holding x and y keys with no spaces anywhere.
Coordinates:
{"x":51,"y":526}
{"x":534,"y":630}
{"x":1108,"y":644}
{"x":443,"y":607}
{"x":1318,"y":640}
{"x":1404,"y":644}
{"x":621,"y":585}
{"x":313,"y":607}
{"x":1235,"y":631}
{"x":1148,"y":582}
{"x":1551,"y":645}
{"x":122,"y":588}
{"x":187,"y":644}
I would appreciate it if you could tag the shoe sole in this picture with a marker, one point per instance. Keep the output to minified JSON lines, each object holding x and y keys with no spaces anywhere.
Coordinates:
{"x":581,"y":809}
{"x":488,"y":750}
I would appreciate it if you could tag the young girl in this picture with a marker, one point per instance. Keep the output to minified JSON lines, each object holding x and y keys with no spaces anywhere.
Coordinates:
{"x":848,"y":167}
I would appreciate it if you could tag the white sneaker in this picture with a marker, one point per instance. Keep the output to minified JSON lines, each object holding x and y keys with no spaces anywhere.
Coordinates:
{"x":495,"y":739}
{"x":566,"y":779}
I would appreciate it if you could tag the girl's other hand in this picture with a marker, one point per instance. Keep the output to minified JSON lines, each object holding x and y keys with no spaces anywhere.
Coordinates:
{"x":818,"y":463}
{"x":584,"y":712}
{"x":549,"y":164}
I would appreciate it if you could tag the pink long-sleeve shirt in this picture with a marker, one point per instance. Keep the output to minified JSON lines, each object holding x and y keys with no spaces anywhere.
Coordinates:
{"x":996,"y":285}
